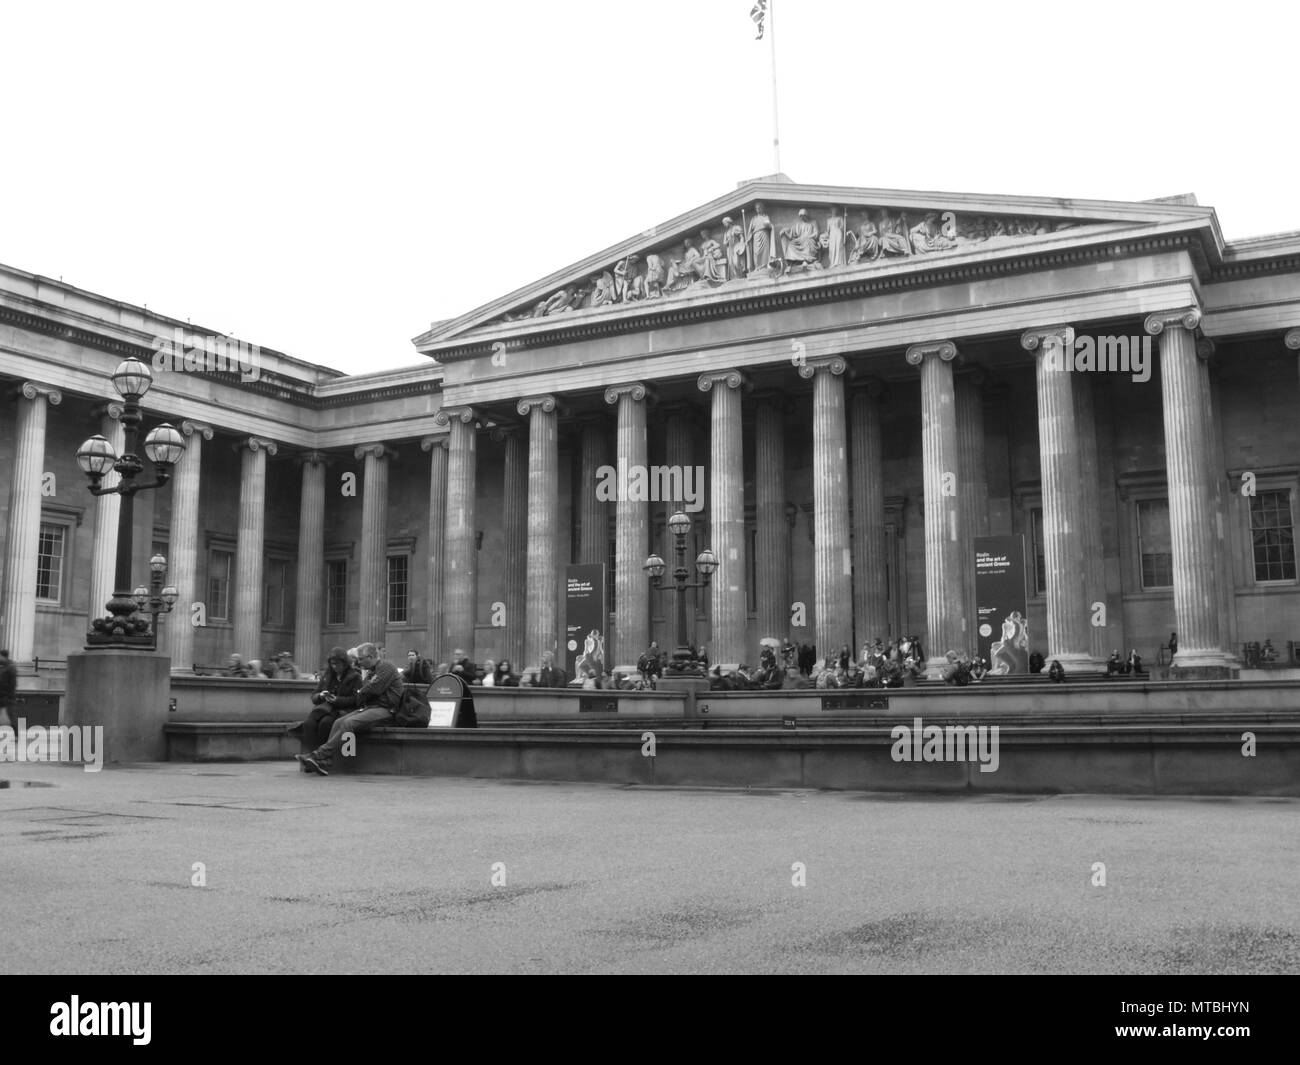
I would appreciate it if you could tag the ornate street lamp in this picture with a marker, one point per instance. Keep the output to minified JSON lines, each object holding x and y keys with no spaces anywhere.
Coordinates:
{"x":684,"y":662}
{"x":125,"y":626}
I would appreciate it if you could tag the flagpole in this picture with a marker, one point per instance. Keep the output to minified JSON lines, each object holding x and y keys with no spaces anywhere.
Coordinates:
{"x":776,"y":135}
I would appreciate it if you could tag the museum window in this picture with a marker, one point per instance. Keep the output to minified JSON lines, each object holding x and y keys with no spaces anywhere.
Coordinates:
{"x":1040,"y":553}
{"x":1155,"y":543}
{"x":336,"y":591}
{"x":276,"y":592}
{"x":49,"y":562}
{"x":220,"y":564}
{"x":1272,"y":536}
{"x":399,"y":589}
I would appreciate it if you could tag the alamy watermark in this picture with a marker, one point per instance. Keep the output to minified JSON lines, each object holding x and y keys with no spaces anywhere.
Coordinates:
{"x":198,"y":352}
{"x":632,"y":483}
{"x":951,"y":743}
{"x":1098,"y":354}
{"x":57,"y":743}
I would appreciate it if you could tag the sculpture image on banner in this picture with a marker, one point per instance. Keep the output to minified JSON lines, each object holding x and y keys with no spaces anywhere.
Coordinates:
{"x":1000,"y":597}
{"x":585,"y":621}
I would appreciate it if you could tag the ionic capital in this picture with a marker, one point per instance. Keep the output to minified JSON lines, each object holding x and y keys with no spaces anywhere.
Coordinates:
{"x":1188,"y":318}
{"x":108,"y":410}
{"x":466,"y":415}
{"x":831,"y":364}
{"x":312,"y":458}
{"x":378,"y":449}
{"x":1047,"y":339}
{"x":1292,"y":339}
{"x":255,"y":444}
{"x":943,"y":349}
{"x":34,"y":390}
{"x":546,"y":403}
{"x":1205,"y":349}
{"x":873,"y":387}
{"x":635,"y":389}
{"x":190,"y":428}
{"x":731,"y":378}
{"x":440,"y":441}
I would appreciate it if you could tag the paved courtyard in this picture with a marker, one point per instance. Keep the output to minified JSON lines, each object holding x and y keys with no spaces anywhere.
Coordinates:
{"x":394,"y":874}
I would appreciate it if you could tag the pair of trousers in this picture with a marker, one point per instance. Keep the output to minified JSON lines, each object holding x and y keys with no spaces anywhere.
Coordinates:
{"x":317,"y":727}
{"x":357,"y":722}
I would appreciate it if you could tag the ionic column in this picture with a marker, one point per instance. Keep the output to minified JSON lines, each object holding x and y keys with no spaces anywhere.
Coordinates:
{"x":727,"y":518}
{"x":773,"y":531}
{"x":177,"y":635}
{"x":18,"y":616}
{"x":832,"y":558}
{"x":679,"y":454}
{"x":543,"y":610}
{"x":514,"y":526}
{"x":438,"y":453}
{"x":1094,"y":574}
{"x":249,"y":546}
{"x":103,"y":560}
{"x":309,"y":609}
{"x":460,"y":589}
{"x":870,"y":583}
{"x":1191,"y":495}
{"x":1069,"y":639}
{"x":944,"y":577}
{"x":632,"y":538}
{"x":373,"y":568}
{"x":593,"y":547}
{"x":1223,"y":582}
{"x":972,"y":489}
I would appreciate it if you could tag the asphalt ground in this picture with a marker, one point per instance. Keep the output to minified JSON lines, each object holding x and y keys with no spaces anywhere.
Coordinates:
{"x":370,"y":874}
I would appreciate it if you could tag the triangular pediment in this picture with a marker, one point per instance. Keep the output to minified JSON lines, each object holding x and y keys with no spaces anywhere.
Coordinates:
{"x":774,"y":231}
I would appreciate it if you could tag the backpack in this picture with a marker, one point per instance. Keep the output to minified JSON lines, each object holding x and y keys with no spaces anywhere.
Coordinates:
{"x":414,"y":710}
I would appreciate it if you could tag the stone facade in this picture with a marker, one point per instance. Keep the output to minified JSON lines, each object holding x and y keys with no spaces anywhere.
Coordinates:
{"x":913,"y":396}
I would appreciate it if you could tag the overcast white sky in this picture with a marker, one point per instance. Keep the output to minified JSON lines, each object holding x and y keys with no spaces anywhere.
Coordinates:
{"x":327,"y":179}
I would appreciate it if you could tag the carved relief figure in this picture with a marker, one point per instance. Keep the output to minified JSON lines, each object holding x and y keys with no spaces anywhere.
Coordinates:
{"x":927,"y":236}
{"x":714,"y":263}
{"x":603,"y":292}
{"x":759,"y":238}
{"x":893,"y":235}
{"x":627,"y":285}
{"x":652,"y":282}
{"x":833,"y":240}
{"x":733,"y":240}
{"x":865,"y":243}
{"x":800,"y":244}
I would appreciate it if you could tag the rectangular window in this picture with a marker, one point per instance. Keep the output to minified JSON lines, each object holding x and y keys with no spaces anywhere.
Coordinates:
{"x":275,"y":586}
{"x":1155,"y":543}
{"x":1040,"y":553}
{"x":336,"y":591}
{"x":220,"y":565}
{"x":1272,"y":536}
{"x":399,"y":589}
{"x":49,"y":563}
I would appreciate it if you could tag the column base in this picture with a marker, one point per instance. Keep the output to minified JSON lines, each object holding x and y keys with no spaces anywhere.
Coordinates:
{"x":1197,"y":664}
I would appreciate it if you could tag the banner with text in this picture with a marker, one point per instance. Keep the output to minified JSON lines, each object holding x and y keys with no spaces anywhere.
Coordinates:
{"x":1000,"y":596}
{"x":584,"y":621}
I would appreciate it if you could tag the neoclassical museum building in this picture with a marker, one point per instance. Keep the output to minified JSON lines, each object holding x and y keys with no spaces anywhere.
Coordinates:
{"x":844,"y":388}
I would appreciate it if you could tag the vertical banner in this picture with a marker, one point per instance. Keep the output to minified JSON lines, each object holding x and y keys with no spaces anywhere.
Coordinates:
{"x":1000,"y":596}
{"x":584,"y":620}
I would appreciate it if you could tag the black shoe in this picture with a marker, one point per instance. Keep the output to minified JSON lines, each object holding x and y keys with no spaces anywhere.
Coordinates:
{"x":294,"y":730}
{"x":313,"y":765}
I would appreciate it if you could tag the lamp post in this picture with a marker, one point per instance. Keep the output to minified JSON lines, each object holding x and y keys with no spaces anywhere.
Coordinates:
{"x":684,"y":662}
{"x":124,"y":627}
{"x":155,"y":599}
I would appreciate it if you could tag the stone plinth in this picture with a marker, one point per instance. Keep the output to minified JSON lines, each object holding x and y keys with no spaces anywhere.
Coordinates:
{"x":126,"y":692}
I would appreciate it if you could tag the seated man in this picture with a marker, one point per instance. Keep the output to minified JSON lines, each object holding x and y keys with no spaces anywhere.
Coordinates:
{"x":341,"y":681}
{"x":550,"y":675}
{"x":463,"y":666}
{"x":283,"y":667}
{"x":1114,"y":664}
{"x":377,"y":699}
{"x":417,"y":669}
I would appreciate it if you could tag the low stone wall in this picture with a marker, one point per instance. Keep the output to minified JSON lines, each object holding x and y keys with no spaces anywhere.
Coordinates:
{"x":240,"y":699}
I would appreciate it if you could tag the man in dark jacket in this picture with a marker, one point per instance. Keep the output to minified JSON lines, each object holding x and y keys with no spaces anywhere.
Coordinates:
{"x":550,"y":675}
{"x":377,"y":699}
{"x":418,"y":670}
{"x":8,"y":691}
{"x":339,"y":680}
